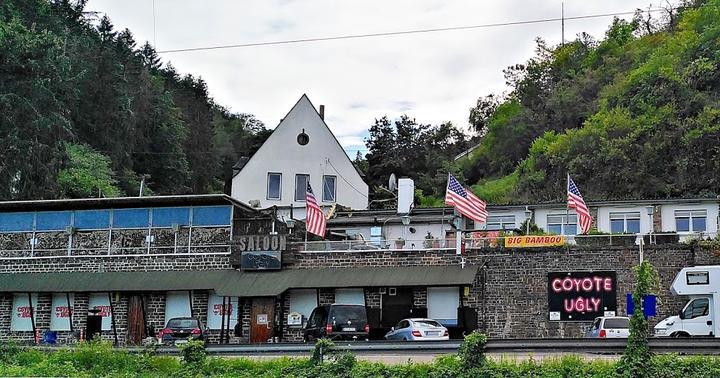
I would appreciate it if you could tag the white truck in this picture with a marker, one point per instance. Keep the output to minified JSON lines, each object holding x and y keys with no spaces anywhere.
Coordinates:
{"x":701,"y":315}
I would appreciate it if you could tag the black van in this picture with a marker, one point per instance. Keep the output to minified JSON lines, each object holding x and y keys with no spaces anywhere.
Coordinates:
{"x":337,"y":321}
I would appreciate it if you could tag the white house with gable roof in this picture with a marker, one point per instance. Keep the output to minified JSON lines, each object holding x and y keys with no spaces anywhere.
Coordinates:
{"x":301,"y":148}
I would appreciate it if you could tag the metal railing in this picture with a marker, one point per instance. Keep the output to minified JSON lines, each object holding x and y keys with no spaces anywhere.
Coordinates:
{"x":55,"y":253}
{"x":475,"y":241}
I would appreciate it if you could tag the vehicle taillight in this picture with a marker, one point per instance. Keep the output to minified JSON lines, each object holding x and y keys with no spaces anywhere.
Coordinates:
{"x":195,"y":331}
{"x":416,"y":333}
{"x":603,"y":333}
{"x":445,"y":333}
{"x":164,"y":331}
{"x":367,"y":328}
{"x":328,"y":329}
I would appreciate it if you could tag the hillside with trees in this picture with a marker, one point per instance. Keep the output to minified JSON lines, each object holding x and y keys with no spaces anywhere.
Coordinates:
{"x":636,"y":114}
{"x":87,"y":113}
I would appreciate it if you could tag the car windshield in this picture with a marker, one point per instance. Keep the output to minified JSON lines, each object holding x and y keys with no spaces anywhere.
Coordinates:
{"x":342,"y":314}
{"x":616,"y":323}
{"x":182,"y":323}
{"x":427,"y":323}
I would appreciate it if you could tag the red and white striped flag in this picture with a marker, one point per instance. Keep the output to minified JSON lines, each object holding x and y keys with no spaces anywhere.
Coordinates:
{"x":575,"y":201}
{"x":314,"y":216}
{"x":465,"y":201}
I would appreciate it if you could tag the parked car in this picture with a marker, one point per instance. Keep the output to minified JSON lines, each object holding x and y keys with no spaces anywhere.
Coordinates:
{"x":418,"y":329}
{"x":337,"y":321}
{"x":610,"y":327}
{"x":180,"y":330}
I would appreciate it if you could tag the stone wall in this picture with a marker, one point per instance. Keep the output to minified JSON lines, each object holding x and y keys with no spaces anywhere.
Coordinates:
{"x":509,"y":292}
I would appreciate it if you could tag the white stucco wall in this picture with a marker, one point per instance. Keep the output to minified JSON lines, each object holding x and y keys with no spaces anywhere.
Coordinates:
{"x":281,"y":153}
{"x":519,"y":215}
{"x":668,"y":215}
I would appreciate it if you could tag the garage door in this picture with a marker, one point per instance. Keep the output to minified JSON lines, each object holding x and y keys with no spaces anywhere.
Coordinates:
{"x":350,"y":296}
{"x":177,"y":305}
{"x":443,"y":303}
{"x":303,"y":302}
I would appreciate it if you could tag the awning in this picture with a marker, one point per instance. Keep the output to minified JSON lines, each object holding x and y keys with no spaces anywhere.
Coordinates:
{"x":238,"y":283}
{"x":258,"y":284}
{"x":112,"y":281}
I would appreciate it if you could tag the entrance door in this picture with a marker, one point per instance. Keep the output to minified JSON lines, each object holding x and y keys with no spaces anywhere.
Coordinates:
{"x":396,"y":306}
{"x":261,"y":319}
{"x":136,"y":320}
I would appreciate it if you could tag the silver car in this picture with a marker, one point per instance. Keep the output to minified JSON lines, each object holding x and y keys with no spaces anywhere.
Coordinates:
{"x":418,"y":329}
{"x":610,"y":327}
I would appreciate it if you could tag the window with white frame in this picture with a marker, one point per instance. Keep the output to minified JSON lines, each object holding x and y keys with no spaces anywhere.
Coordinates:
{"x":625,"y":222}
{"x":562,"y":224}
{"x":274,"y":186}
{"x":329,"y":188}
{"x":500,"y":222}
{"x":690,"y":220}
{"x":301,"y":182}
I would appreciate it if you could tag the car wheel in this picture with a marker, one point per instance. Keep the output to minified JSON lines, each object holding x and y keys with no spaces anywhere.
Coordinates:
{"x":679,"y":335}
{"x":405,"y":339}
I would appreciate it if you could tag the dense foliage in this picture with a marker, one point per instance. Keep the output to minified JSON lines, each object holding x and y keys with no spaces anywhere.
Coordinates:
{"x":636,"y":114}
{"x":100,"y":360}
{"x":408,"y":148}
{"x":86,"y":112}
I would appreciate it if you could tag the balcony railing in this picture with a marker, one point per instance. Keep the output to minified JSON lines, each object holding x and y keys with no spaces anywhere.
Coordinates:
{"x":476,"y":242}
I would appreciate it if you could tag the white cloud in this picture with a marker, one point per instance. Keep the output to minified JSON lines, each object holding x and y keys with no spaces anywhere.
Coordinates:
{"x":433,"y":77}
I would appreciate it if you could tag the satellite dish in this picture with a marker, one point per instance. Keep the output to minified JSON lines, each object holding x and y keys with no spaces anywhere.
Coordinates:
{"x":392,"y":183}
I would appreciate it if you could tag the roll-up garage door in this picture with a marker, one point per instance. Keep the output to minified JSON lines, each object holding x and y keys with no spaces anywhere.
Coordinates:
{"x":443,"y":303}
{"x":350,"y":296}
{"x":303,"y":301}
{"x":177,"y":305}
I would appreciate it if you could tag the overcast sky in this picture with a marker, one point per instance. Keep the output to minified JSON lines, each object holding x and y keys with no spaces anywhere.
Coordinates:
{"x":434,"y":77}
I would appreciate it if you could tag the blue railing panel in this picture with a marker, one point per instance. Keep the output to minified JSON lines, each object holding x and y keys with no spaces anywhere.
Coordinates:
{"x":167,"y":216}
{"x":53,"y":220}
{"x":211,"y":215}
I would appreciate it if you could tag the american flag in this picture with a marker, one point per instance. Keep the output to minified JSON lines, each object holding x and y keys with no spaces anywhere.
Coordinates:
{"x":575,"y":201}
{"x":314,"y":216}
{"x":465,"y":201}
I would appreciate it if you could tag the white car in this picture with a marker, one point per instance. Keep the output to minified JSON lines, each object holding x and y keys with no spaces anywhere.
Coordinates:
{"x":418,"y":329}
{"x":610,"y":327}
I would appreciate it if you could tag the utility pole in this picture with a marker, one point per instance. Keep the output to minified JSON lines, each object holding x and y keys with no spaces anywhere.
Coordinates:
{"x":562,"y":21}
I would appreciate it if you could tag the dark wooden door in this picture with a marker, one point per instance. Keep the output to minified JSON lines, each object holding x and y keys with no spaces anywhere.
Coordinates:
{"x":262,"y":319}
{"x":136,"y":320}
{"x":396,"y":305}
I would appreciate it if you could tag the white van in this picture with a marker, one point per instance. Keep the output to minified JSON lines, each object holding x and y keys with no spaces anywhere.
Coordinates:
{"x":701,"y":315}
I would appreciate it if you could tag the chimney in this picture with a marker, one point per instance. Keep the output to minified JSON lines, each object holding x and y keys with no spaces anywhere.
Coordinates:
{"x":322,"y":112}
{"x":406,"y":195}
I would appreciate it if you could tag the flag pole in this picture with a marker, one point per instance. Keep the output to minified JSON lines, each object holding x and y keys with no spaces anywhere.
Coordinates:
{"x":567,"y":205}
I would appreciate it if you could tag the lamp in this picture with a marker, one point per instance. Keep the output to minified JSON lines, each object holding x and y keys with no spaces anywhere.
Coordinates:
{"x":528,"y":214}
{"x":405,"y":219}
{"x":290,"y":223}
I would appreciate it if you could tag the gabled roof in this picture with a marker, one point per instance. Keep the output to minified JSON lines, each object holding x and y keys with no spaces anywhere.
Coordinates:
{"x":282,"y":122}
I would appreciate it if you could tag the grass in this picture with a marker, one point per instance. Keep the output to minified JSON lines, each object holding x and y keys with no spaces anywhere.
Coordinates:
{"x":100,"y":360}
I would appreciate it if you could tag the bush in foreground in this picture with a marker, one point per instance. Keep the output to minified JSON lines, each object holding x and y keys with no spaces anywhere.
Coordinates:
{"x":98,"y":359}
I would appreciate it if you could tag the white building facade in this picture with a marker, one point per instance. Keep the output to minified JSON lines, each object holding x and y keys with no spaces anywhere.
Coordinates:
{"x":301,"y":148}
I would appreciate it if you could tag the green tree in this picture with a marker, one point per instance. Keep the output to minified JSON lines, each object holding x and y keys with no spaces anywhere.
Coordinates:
{"x":88,"y":174}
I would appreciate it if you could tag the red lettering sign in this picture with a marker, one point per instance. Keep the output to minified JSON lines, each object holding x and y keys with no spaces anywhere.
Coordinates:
{"x":219,"y":309}
{"x":24,"y":312}
{"x":62,"y":312}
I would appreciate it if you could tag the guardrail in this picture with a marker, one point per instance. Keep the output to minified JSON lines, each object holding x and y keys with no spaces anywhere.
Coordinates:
{"x":705,"y":346}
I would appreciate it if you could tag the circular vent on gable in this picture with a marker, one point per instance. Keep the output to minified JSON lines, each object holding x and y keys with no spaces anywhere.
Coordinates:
{"x":303,"y":138}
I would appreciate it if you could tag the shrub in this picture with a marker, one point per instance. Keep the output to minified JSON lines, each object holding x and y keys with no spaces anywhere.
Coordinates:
{"x":472,"y":350}
{"x":635,"y":362}
{"x":323,"y":347}
{"x":8,"y":351}
{"x":193,"y":352}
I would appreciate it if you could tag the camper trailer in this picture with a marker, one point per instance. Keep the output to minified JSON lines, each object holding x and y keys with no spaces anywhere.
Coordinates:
{"x":701,"y":314}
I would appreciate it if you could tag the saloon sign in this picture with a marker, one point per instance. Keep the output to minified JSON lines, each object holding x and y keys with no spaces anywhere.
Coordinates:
{"x":261,"y":252}
{"x":580,"y":296}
